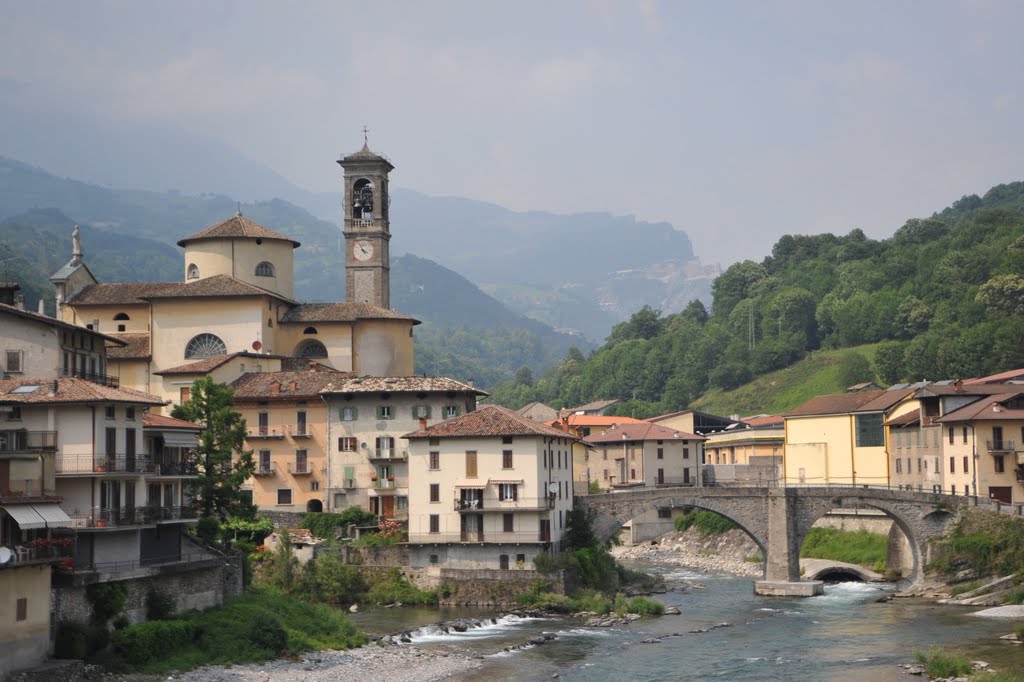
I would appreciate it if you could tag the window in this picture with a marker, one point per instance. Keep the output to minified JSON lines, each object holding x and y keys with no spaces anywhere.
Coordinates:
{"x":470,"y":463}
{"x":129,"y":442}
{"x":340,"y":500}
{"x":22,"y":609}
{"x":507,"y":440}
{"x":347,"y":444}
{"x":899,"y":469}
{"x":300,"y":423}
{"x":312,"y":349}
{"x":301,"y":462}
{"x":264,"y":463}
{"x":264,"y":423}
{"x":385,"y":412}
{"x":520,"y":561}
{"x":605,"y":476}
{"x":122,"y":316}
{"x":965,"y":463}
{"x":384,"y":445}
{"x":435,"y":523}
{"x":664,"y":513}
{"x":129,"y":413}
{"x":284,"y":495}
{"x":686,"y":453}
{"x":402,"y":502}
{"x":952,"y":489}
{"x":503,"y":562}
{"x":435,"y":492}
{"x":110,"y":412}
{"x":421,"y":411}
{"x":434,"y":441}
{"x":264,"y":269}
{"x":14,"y":415}
{"x":120,"y":327}
{"x":632,"y":474}
{"x":661,"y":453}
{"x":314,"y":485}
{"x":435,"y":460}
{"x":950,"y":435}
{"x":506,"y":459}
{"x":508,"y":491}
{"x":348,"y":414}
{"x":205,"y":346}
{"x":918,"y":465}
{"x":450,"y":411}
{"x":869,"y":430}
{"x":193,"y":271}
{"x":999,"y":464}
{"x":965,"y":434}
{"x":433,"y":559}
{"x":184,"y":393}
{"x":936,"y":467}
{"x":508,"y":522}
{"x":952,"y":465}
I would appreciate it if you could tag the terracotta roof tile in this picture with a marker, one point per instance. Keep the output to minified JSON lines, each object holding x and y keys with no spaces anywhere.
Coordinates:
{"x":595,"y":405}
{"x":237,"y":226}
{"x":1002,"y":376}
{"x":986,"y":410}
{"x":764,"y":420}
{"x":136,"y":346}
{"x":341,"y":312}
{"x":291,"y":385}
{"x":845,"y":403}
{"x":207,"y":365}
{"x":159,"y":421}
{"x":137,"y":293}
{"x":911,"y":418}
{"x":599,"y":420}
{"x":488,"y":421}
{"x":639,"y":431}
{"x":69,"y":390}
{"x":413,"y":384}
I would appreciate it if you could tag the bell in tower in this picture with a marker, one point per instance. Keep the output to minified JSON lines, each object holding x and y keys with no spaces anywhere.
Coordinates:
{"x":367,"y":230}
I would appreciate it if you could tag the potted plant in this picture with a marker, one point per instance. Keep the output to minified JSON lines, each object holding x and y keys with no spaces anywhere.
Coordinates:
{"x":391,"y":478}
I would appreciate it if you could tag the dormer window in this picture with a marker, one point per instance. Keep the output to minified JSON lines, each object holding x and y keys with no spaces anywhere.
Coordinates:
{"x":264,"y":269}
{"x":193,"y":271}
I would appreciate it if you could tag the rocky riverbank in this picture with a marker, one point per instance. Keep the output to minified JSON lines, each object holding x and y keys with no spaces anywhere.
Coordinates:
{"x":730,"y":552}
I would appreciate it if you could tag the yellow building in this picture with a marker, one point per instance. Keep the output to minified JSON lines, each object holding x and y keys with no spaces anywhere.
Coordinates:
{"x":841,"y":439}
{"x":236,"y":296}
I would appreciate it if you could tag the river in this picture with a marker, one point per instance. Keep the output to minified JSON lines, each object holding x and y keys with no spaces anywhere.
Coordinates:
{"x":843,"y":635}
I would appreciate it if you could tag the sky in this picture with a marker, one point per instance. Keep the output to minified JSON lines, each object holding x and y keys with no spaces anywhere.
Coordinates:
{"x":737,"y":122}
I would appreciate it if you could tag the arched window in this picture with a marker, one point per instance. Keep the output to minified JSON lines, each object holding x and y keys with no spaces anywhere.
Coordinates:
{"x":122,"y":316}
{"x":264,"y":269}
{"x":309,"y":330}
{"x":193,"y":271}
{"x":312,"y":349}
{"x":205,"y":346}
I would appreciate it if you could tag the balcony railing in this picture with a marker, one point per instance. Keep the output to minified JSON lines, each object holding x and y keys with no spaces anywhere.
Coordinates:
{"x":493,"y":504}
{"x":478,"y":536}
{"x":384,"y":484}
{"x":297,"y":469}
{"x":40,"y":551}
{"x":389,"y":454}
{"x":348,"y":483}
{"x":184,"y":468}
{"x":267,"y":432}
{"x":29,"y":488}
{"x":12,"y":442}
{"x":94,"y":377}
{"x":131,"y":516}
{"x":264,"y":470}
{"x":1001,"y":445}
{"x":104,"y":464}
{"x":299,"y":431}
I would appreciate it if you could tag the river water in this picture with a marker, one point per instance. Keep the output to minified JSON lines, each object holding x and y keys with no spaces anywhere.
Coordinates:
{"x":844,"y":635}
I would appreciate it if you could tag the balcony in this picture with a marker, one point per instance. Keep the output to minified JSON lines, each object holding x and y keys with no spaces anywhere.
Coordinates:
{"x":388,"y":455}
{"x":299,"y":431}
{"x":27,"y":442}
{"x":1000,"y":445}
{"x":265,"y":470}
{"x":474,"y":536}
{"x":348,"y":483}
{"x":40,"y":551}
{"x":131,"y":516}
{"x":177,"y":468}
{"x":384,"y":483}
{"x":22,"y":490}
{"x":299,"y":469}
{"x":94,"y":377}
{"x":493,"y":504}
{"x":266,"y":432}
{"x":104,"y":464}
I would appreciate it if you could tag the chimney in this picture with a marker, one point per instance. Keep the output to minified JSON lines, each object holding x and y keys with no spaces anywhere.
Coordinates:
{"x":958,"y":386}
{"x":293,"y":386}
{"x":423,"y":423}
{"x":275,"y":388}
{"x":471,"y":383}
{"x":19,"y":301}
{"x":41,"y":308}
{"x":51,"y":385}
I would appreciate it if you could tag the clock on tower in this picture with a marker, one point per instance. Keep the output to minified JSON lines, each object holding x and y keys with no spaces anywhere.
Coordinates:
{"x":367,"y":228}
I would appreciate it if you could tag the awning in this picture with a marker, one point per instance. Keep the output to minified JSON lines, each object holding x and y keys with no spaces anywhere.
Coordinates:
{"x":177,"y":439}
{"x":53,"y":515}
{"x":26,"y":516}
{"x":471,"y":483}
{"x":499,"y":481}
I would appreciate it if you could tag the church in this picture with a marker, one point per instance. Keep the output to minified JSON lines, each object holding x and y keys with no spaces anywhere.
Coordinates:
{"x":234,"y":310}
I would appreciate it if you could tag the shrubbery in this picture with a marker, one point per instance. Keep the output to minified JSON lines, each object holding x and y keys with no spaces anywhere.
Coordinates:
{"x":706,"y":523}
{"x":71,"y":641}
{"x":939,"y":663}
{"x":392,"y":588}
{"x":989,"y":542}
{"x":853,"y":547}
{"x":322,"y":524}
{"x":160,"y":605}
{"x":330,"y":581}
{"x":141,"y":643}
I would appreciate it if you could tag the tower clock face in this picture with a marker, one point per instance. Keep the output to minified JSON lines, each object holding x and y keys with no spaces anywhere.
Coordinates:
{"x":362,"y":250}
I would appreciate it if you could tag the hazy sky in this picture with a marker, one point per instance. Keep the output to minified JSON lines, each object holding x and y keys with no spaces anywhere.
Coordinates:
{"x":736,"y":121}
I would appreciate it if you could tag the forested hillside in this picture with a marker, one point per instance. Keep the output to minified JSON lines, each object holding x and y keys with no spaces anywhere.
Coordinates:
{"x":943,"y":298}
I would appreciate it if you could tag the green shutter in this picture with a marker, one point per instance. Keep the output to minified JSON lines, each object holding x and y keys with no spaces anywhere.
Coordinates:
{"x":350,"y":473}
{"x":353,"y":410}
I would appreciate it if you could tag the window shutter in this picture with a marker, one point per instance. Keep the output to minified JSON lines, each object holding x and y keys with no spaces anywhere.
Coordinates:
{"x":391,"y":443}
{"x":515,"y":492}
{"x":380,"y":414}
{"x":350,"y":473}
{"x":378,"y":443}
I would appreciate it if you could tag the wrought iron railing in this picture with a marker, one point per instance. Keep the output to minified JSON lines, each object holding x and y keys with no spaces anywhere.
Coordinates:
{"x":94,"y":377}
{"x":27,"y":441}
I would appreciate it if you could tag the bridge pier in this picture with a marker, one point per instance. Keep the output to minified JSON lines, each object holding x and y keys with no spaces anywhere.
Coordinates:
{"x":782,"y":563}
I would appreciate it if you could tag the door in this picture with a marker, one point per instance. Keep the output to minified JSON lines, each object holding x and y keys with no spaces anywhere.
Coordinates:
{"x":472,"y":528}
{"x":661,"y":476}
{"x":388,"y":507}
{"x":545,"y":530}
{"x":1002,"y":493}
{"x":503,"y":562}
{"x":686,"y":476}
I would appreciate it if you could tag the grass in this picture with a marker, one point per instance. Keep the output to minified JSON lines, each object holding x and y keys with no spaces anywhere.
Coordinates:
{"x":244,"y":629}
{"x":989,"y":542}
{"x":591,"y":601}
{"x":391,"y":588}
{"x":852,"y":547}
{"x":786,"y":388}
{"x":965,"y":587}
{"x":939,"y":663}
{"x":706,"y":522}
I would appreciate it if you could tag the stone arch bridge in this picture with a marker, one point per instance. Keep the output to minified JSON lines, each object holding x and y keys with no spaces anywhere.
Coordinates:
{"x":778,"y":519}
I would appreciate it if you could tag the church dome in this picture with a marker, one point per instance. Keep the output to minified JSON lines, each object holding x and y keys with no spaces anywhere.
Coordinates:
{"x":237,"y":227}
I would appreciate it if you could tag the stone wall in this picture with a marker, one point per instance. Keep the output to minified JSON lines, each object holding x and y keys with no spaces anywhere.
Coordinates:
{"x":283,"y":519}
{"x":484,"y":587}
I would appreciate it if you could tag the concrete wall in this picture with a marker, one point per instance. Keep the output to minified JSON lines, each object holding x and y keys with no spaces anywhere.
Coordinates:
{"x":238,"y":258}
{"x":383,"y":348}
{"x":24,"y":643}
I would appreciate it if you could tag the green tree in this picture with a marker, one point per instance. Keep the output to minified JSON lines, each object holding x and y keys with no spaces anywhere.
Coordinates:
{"x":1003,"y":294}
{"x":223,"y":464}
{"x":854,"y":369}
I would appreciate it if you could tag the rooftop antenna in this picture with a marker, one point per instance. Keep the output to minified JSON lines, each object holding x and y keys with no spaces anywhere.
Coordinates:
{"x":238,"y":211}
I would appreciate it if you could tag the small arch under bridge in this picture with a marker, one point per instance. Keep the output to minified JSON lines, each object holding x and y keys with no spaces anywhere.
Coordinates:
{"x":779,"y":518}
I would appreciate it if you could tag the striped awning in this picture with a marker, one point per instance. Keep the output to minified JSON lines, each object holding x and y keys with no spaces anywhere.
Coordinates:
{"x":53,"y":515}
{"x":178,"y":439}
{"x":26,"y":516}
{"x":499,"y":481}
{"x":471,"y":483}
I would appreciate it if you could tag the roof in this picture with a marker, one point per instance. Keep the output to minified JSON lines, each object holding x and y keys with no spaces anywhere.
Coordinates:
{"x":137,"y":293}
{"x":159,"y":421}
{"x":640,"y":431}
{"x":366,"y":154}
{"x":69,"y":390}
{"x":341,"y":312}
{"x":237,"y":227}
{"x":912,"y":418}
{"x":582,"y":420}
{"x":845,"y":403}
{"x":207,"y":365}
{"x":1002,"y":376}
{"x":413,"y":384}
{"x":986,"y":409}
{"x":291,"y":385}
{"x":36,"y":317}
{"x":934,"y":390}
{"x":486,"y":421}
{"x":764,"y":420}
{"x":594,"y":406}
{"x":135,"y":346}
{"x":538,"y":411}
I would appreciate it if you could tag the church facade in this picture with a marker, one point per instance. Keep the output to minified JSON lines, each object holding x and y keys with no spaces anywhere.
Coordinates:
{"x":234,"y":309}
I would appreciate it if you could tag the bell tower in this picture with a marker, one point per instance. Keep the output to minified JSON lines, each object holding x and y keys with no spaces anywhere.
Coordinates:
{"x":367,"y":228}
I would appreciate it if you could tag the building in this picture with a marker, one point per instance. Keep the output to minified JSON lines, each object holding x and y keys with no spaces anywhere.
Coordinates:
{"x":595,"y":408}
{"x":538,"y":412}
{"x":694,"y":421}
{"x":840,"y":439}
{"x":747,"y":453}
{"x":488,"y":489}
{"x":286,"y":422}
{"x":644,"y":454}
{"x":585,"y":424}
{"x":366,"y":420}
{"x":236,"y":297}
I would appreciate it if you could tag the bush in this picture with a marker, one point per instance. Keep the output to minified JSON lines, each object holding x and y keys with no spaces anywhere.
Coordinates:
{"x":392,"y":588}
{"x":330,"y":581}
{"x":706,"y":522}
{"x":160,"y":605}
{"x":98,"y":639}
{"x":142,"y":643}
{"x":71,"y":641}
{"x":857,"y":547}
{"x":939,"y":663}
{"x":322,"y":524}
{"x":646,"y":607}
{"x":266,"y":632}
{"x":1018,"y":630}
{"x":253,"y":531}
{"x":107,"y":600}
{"x":208,"y":530}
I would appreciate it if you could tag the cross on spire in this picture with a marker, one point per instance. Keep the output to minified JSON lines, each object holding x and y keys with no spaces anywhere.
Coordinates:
{"x":365,"y":139}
